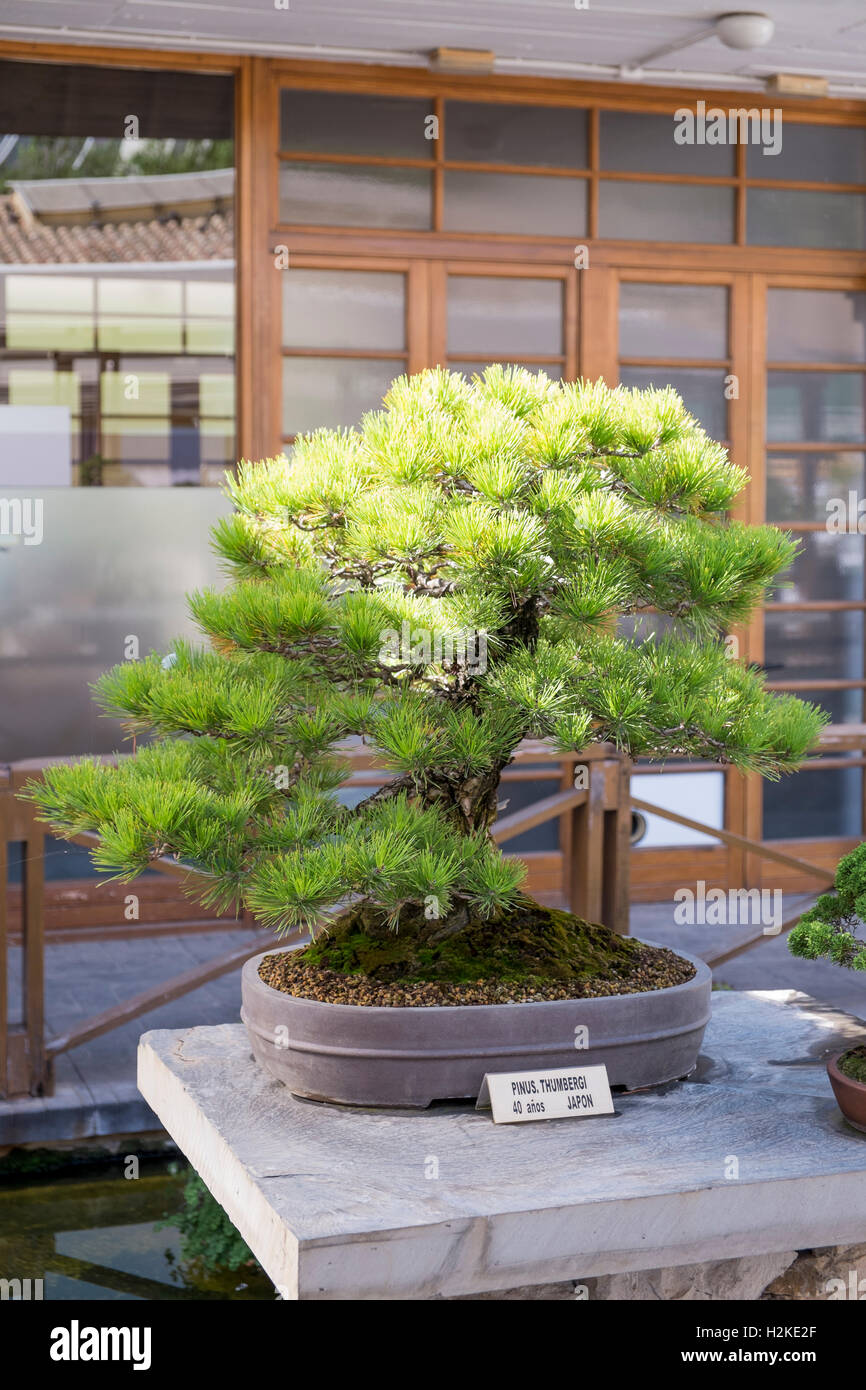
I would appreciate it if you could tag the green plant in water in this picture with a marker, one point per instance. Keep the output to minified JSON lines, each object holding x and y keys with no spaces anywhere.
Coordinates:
{"x":209,"y":1241}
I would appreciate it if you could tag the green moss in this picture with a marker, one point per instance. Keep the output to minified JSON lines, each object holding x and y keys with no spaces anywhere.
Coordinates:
{"x":853,"y":1064}
{"x":534,"y":942}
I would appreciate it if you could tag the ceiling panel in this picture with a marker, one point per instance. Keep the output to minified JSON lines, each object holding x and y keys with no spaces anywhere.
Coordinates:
{"x":827,"y":39}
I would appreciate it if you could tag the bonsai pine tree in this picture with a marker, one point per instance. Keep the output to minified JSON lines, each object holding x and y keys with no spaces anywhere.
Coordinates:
{"x":442,"y":582}
{"x":829,"y":928}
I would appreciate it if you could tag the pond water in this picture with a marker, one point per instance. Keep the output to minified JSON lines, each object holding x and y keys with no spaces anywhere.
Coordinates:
{"x":92,"y":1233}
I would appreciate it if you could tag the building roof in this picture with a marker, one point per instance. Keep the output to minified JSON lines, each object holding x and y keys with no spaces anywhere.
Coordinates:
{"x":29,"y":241}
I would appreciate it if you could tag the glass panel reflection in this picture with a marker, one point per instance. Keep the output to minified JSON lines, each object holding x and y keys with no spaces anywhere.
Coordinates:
{"x":355,"y":195}
{"x":813,"y":646}
{"x":333,"y":391}
{"x":641,"y":142}
{"x":494,"y":132}
{"x":812,"y":486}
{"x":346,"y":123}
{"x":504,"y":315}
{"x":344,"y":309}
{"x":676,"y":212}
{"x":673,"y":320}
{"x":515,"y":204}
{"x":812,"y":406}
{"x":798,"y":217}
{"x":108,"y":567}
{"x":816,"y":326}
{"x":828,"y":566}
{"x":117,"y":284}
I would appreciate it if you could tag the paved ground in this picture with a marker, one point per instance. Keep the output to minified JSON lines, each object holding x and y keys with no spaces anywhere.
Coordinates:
{"x":95,"y":1091}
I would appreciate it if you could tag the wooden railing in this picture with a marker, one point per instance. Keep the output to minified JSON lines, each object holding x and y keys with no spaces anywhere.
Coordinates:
{"x":591,"y":805}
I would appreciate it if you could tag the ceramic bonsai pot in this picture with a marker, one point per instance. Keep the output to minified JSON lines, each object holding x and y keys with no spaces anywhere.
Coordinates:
{"x":850,"y":1095}
{"x":374,"y":1056}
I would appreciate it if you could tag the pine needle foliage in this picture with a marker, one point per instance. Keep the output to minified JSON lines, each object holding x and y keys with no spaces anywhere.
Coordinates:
{"x":454,"y":575}
{"x":829,"y":929}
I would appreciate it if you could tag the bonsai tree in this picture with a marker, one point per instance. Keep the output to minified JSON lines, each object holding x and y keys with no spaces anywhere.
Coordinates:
{"x":829,"y":928}
{"x":829,"y":931}
{"x":442,"y":582}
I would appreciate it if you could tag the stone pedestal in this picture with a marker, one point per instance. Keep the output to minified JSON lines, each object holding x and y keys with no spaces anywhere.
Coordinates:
{"x":705,"y":1189}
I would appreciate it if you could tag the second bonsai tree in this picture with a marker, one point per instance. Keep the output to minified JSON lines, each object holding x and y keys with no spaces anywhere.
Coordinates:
{"x":443,"y":582}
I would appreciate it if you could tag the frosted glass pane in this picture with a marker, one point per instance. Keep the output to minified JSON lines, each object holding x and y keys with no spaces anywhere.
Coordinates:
{"x":333,"y":391}
{"x":643,"y":143}
{"x":702,"y":390}
{"x":665,"y":211}
{"x":673,"y":320}
{"x":355,"y":195}
{"x":816,"y":326}
{"x":139,"y":296}
{"x":828,"y":566}
{"x":812,"y":406}
{"x":813,"y":646}
{"x":799,"y":486}
{"x":111,"y":565}
{"x":344,"y":309}
{"x":519,"y":204}
{"x":795,"y":217}
{"x":504,"y":316}
{"x":813,"y":154}
{"x":493,"y":132}
{"x":346,"y":123}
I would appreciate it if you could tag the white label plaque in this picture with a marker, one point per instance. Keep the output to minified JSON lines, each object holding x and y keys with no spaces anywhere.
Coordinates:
{"x":546,"y":1095}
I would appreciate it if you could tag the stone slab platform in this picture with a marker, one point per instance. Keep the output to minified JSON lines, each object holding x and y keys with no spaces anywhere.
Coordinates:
{"x":749,"y":1157}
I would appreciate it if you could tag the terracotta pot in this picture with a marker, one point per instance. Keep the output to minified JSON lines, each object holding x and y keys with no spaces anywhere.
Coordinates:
{"x":411,"y":1056}
{"x":850,"y":1095}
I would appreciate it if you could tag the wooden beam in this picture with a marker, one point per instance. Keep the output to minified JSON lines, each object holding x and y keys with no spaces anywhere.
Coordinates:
{"x":727,"y":837}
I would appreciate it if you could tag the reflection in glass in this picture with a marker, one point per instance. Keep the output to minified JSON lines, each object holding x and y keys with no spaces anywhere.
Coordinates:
{"x":809,"y":486}
{"x":514,"y":204}
{"x":108,"y":565}
{"x":798,"y":217}
{"x":344,"y":309}
{"x":812,"y":406}
{"x":673,"y":320}
{"x":675,"y":212}
{"x":333,"y":391}
{"x":816,"y":326}
{"x":828,"y":566}
{"x":814,"y":646}
{"x":504,"y":315}
{"x":813,"y":154}
{"x":701,"y":388}
{"x":643,"y":143}
{"x":117,"y":284}
{"x":346,"y":123}
{"x":494,"y":132}
{"x":355,"y":195}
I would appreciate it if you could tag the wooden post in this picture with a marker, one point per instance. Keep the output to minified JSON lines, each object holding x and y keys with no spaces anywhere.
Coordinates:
{"x":588,"y":846}
{"x":4,"y":926}
{"x":617,"y":847}
{"x":33,"y":952}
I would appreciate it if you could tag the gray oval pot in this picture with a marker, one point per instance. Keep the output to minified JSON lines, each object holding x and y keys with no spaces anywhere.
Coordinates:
{"x":357,"y":1055}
